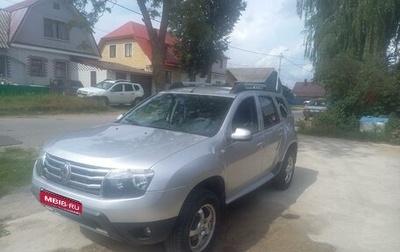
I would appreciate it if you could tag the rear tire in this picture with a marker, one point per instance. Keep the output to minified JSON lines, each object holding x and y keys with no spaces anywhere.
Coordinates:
{"x":197,"y":224}
{"x":284,"y":178}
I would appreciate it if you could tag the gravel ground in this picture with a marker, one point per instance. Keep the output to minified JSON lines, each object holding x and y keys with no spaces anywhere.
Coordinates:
{"x":345,"y":197}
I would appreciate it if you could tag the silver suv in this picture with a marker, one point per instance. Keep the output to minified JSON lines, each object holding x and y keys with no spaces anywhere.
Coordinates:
{"x":164,"y":170}
{"x":114,"y":92}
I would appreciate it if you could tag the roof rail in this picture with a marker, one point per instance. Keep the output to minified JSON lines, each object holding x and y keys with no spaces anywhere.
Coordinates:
{"x":245,"y":86}
{"x":181,"y":84}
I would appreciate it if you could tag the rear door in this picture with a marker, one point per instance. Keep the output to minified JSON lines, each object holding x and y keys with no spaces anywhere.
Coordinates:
{"x":129,"y":94}
{"x":272,"y":129}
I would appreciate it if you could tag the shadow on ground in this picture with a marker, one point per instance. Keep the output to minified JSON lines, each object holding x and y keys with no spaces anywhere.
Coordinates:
{"x":247,"y":223}
{"x":263,"y":221}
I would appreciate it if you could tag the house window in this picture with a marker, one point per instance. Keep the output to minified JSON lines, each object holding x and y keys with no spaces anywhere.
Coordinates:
{"x":55,"y":29}
{"x":37,"y":66}
{"x":113,"y":51}
{"x":60,"y":68}
{"x":128,"y":50}
{"x":168,"y":77}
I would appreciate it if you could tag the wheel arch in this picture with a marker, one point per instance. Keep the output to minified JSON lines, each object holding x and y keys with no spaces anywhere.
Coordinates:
{"x":293,"y":148}
{"x":214,"y":184}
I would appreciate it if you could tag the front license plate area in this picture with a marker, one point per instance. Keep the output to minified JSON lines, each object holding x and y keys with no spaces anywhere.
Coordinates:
{"x":54,"y":200}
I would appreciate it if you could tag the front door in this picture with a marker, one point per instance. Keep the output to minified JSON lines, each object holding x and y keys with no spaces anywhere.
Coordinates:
{"x":3,"y":67}
{"x":273,"y":132}
{"x":116,"y":94}
{"x":244,"y":158}
{"x":60,"y":74}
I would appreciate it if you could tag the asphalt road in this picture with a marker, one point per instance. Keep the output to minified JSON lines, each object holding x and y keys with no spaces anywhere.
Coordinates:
{"x":345,"y":197}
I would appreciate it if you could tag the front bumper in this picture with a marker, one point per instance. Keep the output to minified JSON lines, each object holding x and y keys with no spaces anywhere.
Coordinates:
{"x":144,"y":220}
{"x":131,"y":232}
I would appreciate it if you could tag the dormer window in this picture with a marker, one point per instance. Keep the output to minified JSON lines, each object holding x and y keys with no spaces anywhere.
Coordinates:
{"x":55,"y":29}
{"x":128,"y":50}
{"x":113,"y":51}
{"x":56,"y":6}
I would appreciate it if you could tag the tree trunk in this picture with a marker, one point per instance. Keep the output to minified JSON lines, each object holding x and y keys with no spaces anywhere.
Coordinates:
{"x":209,"y":73}
{"x":157,"y":40}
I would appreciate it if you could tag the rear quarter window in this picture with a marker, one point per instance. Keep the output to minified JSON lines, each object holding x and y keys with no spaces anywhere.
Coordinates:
{"x":268,"y":110}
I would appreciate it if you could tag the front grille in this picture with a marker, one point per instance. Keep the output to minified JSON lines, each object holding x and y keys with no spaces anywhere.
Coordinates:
{"x":74,"y":175}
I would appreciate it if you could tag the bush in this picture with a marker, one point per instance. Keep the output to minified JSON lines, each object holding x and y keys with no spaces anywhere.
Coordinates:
{"x":334,"y":124}
{"x":362,"y":88}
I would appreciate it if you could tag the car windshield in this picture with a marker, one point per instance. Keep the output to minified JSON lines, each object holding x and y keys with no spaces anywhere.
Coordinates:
{"x":195,"y":114}
{"x":105,"y":85}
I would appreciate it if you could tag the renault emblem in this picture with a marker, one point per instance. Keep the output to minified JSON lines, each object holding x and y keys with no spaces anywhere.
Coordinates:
{"x":65,"y":172}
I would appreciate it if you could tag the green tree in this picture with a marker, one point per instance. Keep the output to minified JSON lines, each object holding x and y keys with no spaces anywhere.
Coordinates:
{"x":202,"y":28}
{"x":361,"y":28}
{"x":354,"y":46}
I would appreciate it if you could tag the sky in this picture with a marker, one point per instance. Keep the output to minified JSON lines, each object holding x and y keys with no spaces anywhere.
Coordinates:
{"x":266,"y":30}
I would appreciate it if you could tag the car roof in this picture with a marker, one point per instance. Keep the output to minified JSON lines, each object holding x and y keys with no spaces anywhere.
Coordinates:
{"x":217,"y":90}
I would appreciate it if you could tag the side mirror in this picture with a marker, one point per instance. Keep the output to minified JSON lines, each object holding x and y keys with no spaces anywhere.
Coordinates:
{"x":241,"y":134}
{"x":119,"y":117}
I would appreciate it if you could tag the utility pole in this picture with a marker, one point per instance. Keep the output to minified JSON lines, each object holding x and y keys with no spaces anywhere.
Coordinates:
{"x":278,"y":74}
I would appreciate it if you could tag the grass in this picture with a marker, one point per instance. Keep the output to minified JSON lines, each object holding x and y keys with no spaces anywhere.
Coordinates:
{"x":16,"y":168}
{"x":16,"y":163}
{"x":48,"y":104}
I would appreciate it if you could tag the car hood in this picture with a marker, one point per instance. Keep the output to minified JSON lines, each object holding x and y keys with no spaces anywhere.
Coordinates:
{"x":120,"y":146}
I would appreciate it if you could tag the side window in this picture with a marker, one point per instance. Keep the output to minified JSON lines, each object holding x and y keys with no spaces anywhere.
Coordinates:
{"x":136,"y":87}
{"x":268,"y":111}
{"x":128,"y":87}
{"x":246,"y":116}
{"x":117,"y":88}
{"x":283,"y":111}
{"x":282,"y":107}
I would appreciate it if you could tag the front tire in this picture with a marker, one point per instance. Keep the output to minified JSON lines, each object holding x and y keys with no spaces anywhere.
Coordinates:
{"x":284,"y":178}
{"x":197,"y":224}
{"x":103,"y":100}
{"x":136,"y":101}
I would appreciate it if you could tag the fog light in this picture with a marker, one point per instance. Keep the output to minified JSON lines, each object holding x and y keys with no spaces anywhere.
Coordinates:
{"x":147,"y":231}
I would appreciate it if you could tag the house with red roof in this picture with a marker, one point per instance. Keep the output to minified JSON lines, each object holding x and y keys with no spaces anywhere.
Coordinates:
{"x":130,"y":45}
{"x":37,"y":46}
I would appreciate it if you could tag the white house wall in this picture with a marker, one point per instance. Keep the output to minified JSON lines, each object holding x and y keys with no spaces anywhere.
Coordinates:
{"x":83,"y":74}
{"x":19,"y":66}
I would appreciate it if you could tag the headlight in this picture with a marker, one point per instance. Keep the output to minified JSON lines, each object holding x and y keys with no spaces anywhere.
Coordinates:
{"x":126,"y":183}
{"x":39,"y":164}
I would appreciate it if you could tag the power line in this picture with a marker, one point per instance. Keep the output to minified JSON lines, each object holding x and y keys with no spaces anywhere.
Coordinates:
{"x":124,"y":7}
{"x":233,"y":47}
{"x":260,"y":53}
{"x":298,"y":65}
{"x":131,"y":10}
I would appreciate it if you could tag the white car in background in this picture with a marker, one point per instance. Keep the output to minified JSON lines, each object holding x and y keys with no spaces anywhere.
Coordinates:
{"x":114,"y":92}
